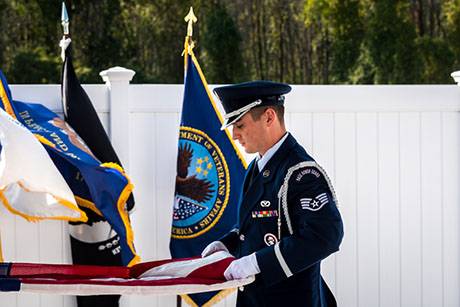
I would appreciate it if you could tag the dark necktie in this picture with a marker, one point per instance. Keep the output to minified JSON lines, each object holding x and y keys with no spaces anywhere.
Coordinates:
{"x":255,"y":171}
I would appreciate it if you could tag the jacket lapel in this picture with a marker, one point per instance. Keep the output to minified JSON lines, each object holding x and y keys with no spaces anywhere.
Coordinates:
{"x":255,"y":190}
{"x":247,"y":176}
{"x":250,"y":192}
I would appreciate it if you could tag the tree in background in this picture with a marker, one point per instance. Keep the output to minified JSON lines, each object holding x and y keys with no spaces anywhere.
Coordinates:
{"x":347,"y":31}
{"x":156,"y":31}
{"x":26,"y":53}
{"x":451,"y":18}
{"x":436,"y":56}
{"x":390,"y":41}
{"x":34,"y":64}
{"x":297,"y":41}
{"x":318,"y":20}
{"x":336,"y":33}
{"x":94,"y":29}
{"x":274,"y":39}
{"x":221,"y":43}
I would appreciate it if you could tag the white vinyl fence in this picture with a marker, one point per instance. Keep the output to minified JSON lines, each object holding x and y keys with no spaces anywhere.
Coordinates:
{"x":391,"y":151}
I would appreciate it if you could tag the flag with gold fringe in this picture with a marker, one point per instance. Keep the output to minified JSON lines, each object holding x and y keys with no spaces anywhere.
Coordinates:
{"x":94,"y":242}
{"x":209,"y":176}
{"x":106,"y":185}
{"x":30,"y":184}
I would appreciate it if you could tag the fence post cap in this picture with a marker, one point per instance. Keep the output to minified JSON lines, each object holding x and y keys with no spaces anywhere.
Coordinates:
{"x":117,"y":74}
{"x":456,"y":76}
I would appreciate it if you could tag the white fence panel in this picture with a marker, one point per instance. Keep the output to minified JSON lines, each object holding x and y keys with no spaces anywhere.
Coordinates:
{"x":367,"y":209}
{"x":410,"y":195}
{"x":450,"y":240}
{"x":391,"y":151}
{"x":389,"y":209}
{"x":432,"y":208}
{"x":345,"y":184}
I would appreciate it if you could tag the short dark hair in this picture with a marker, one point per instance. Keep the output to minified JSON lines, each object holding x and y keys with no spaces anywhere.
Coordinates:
{"x":257,"y":112}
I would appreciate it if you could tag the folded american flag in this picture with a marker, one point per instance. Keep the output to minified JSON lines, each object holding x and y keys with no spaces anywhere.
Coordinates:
{"x":173,"y":276}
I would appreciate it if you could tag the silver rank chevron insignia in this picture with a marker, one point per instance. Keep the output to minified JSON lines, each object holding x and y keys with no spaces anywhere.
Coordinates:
{"x":314,"y":204}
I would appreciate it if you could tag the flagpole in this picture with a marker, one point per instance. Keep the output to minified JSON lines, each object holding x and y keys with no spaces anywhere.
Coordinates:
{"x":64,"y":43}
{"x":80,"y":114}
{"x":190,"y":19}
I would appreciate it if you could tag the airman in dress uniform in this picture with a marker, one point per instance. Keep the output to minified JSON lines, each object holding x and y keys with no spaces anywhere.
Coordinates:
{"x":288,"y":218}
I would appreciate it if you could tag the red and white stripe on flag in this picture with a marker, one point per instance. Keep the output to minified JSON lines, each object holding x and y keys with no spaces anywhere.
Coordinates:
{"x":165,"y":277}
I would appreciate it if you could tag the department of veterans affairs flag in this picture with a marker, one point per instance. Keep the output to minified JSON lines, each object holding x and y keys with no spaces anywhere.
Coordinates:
{"x":106,"y":186}
{"x":209,"y":175}
{"x":30,"y":184}
{"x":164,"y":277}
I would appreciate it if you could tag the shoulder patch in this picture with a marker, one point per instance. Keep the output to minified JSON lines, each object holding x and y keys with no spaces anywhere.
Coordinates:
{"x":305,"y":167}
{"x":306,"y":171}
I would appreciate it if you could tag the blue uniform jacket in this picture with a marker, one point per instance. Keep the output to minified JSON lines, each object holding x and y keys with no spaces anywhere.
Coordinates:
{"x":293,"y":187}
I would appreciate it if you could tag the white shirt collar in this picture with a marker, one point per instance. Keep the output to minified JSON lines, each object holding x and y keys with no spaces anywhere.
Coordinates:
{"x":262,"y":161}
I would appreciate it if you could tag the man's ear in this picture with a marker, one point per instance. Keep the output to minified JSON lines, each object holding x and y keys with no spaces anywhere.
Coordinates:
{"x":270,"y":116}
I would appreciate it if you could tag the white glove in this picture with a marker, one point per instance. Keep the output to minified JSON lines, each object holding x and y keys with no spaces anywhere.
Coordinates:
{"x":213,"y":247}
{"x":242,"y":268}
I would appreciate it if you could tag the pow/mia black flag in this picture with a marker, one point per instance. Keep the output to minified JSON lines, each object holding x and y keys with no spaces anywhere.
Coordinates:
{"x":94,"y":242}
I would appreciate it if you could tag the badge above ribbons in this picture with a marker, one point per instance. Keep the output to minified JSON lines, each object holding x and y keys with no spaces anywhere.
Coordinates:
{"x":265,"y":203}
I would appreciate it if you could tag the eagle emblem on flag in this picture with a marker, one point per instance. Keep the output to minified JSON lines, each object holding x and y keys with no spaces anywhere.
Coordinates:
{"x":201,"y":192}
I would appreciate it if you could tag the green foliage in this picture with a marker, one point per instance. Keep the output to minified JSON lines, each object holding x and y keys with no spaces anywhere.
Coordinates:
{"x":221,"y":41}
{"x":296,"y":41}
{"x":94,"y":27}
{"x":364,"y":72}
{"x":437,"y":60}
{"x":318,"y":20}
{"x":452,"y":21}
{"x":34,"y":66}
{"x":347,"y":32}
{"x":391,"y":43}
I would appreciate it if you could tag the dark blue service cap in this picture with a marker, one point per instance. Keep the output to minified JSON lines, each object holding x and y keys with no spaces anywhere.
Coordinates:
{"x":238,"y":99}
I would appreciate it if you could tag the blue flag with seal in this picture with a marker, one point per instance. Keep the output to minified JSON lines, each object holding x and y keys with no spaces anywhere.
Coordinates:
{"x":103,"y":188}
{"x":210,"y":171}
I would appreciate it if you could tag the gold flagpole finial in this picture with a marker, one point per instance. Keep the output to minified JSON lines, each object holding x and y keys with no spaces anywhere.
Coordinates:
{"x":191,"y":19}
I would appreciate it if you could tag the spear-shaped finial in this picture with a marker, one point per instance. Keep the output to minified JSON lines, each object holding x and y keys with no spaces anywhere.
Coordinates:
{"x":191,"y":19}
{"x":65,"y":20}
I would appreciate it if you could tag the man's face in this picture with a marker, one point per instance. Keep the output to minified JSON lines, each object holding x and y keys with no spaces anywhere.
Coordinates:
{"x":249,"y":133}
